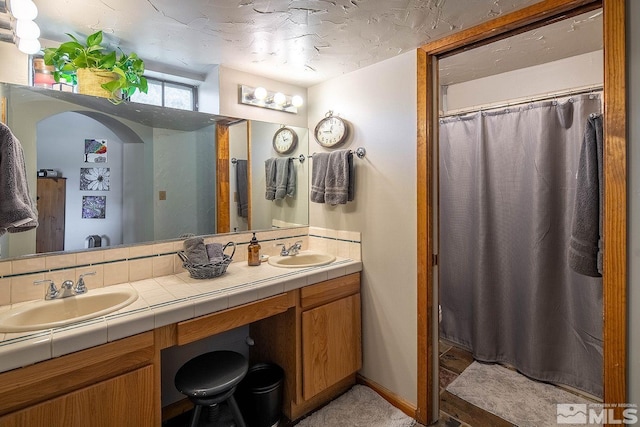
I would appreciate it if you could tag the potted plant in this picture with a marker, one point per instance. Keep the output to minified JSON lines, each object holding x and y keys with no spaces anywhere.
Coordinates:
{"x":118,"y":75}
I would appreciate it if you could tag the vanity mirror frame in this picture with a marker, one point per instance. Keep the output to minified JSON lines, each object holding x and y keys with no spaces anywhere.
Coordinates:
{"x":615,"y":191}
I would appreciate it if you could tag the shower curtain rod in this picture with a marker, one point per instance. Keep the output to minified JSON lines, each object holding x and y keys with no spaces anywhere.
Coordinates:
{"x":522,"y":101}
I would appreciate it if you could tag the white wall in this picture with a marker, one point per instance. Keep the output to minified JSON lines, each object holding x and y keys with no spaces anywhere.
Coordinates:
{"x":229,"y":105}
{"x":61,"y":147}
{"x":380,"y":103}
{"x":564,"y":74}
{"x":209,"y":92}
{"x":633,"y":120}
{"x":182,"y":160}
{"x":18,"y":72}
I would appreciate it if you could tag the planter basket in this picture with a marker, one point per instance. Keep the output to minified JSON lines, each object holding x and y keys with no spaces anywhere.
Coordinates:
{"x":90,"y":81}
{"x":211,"y":270}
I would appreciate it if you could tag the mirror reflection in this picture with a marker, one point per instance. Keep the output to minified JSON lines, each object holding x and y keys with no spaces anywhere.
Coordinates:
{"x":281,"y":211}
{"x":117,"y":175}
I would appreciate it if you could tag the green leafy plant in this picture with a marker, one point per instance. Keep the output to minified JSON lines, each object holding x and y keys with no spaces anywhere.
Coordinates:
{"x":73,"y":55}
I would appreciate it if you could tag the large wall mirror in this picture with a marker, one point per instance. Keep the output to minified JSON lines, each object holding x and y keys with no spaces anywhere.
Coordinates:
{"x":133,"y":173}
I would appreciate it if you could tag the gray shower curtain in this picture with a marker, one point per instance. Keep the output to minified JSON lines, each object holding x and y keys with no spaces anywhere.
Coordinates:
{"x":507,"y":189}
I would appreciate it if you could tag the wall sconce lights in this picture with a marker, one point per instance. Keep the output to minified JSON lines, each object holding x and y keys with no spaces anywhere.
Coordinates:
{"x":261,"y":97}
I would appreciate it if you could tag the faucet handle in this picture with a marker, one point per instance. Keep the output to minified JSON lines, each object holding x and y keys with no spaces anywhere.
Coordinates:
{"x":284,"y":251}
{"x":295,"y":248}
{"x":51,"y":292}
{"x":81,"y":287}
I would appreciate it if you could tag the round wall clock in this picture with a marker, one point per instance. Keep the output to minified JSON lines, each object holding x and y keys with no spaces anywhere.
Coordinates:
{"x":285,"y":140}
{"x":331,"y":131}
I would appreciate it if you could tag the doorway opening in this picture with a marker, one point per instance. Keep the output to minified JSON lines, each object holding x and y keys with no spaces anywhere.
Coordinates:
{"x":614,"y":281}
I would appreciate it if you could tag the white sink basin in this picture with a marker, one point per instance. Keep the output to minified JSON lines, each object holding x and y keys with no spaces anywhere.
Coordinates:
{"x":303,"y":259}
{"x":43,"y":314}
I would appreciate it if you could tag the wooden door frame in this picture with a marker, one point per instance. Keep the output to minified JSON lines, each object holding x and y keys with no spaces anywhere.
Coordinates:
{"x":615,"y":184}
{"x":223,"y":175}
{"x":223,"y":202}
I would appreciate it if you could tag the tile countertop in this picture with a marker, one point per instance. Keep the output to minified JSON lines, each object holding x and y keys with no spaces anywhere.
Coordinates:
{"x":163,"y":301}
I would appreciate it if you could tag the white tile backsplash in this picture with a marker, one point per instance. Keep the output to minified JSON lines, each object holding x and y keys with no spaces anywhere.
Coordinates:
{"x":148,"y":264}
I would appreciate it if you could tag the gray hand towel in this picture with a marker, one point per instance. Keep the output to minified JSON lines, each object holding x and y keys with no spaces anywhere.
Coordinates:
{"x":285,"y":178}
{"x":215,"y":251}
{"x":292,"y":177}
{"x":17,"y":210}
{"x":585,"y":245}
{"x":318,"y":175}
{"x":337,"y":181}
{"x":196,"y":251}
{"x":270,"y":178}
{"x":242,"y":188}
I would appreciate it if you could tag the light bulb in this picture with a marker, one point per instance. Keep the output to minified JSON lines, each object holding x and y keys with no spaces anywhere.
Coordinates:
{"x":27,"y":29}
{"x":24,"y":9}
{"x":297,"y":101}
{"x":279,"y":98}
{"x":29,"y":46}
{"x":260,"y":93}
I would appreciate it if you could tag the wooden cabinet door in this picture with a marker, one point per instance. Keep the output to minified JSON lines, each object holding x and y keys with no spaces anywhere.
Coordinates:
{"x":51,"y":210}
{"x":126,"y":400}
{"x":331,"y":344}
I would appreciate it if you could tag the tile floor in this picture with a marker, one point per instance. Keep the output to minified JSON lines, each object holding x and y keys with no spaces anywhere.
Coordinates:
{"x":455,"y":412}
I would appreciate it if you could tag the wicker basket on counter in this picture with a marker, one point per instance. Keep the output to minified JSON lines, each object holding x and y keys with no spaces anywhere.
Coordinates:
{"x":210,"y":270}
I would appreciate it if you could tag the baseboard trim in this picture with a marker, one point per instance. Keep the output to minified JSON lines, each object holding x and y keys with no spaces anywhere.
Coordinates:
{"x":397,"y":401}
{"x":176,"y":408}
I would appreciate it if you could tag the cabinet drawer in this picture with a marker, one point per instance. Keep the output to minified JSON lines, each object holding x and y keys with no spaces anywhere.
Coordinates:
{"x":126,"y":400}
{"x":215,"y":323}
{"x":330,"y":290}
{"x":25,"y":386}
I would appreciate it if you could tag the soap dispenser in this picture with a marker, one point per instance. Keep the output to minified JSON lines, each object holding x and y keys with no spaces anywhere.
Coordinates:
{"x":253,"y":256}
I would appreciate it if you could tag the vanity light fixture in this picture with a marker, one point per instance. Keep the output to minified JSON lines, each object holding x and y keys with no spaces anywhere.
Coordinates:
{"x":261,"y":97}
{"x":24,"y":32}
{"x":23,"y":9}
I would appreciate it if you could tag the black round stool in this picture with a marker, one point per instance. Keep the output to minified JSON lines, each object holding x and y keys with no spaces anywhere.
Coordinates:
{"x":211,"y":378}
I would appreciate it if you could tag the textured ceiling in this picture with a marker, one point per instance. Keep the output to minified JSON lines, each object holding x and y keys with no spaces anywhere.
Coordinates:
{"x":563,"y":39}
{"x":302,"y":42}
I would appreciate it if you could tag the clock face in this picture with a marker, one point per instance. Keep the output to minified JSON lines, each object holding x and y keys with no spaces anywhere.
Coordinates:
{"x":331,"y":131}
{"x":285,"y":140}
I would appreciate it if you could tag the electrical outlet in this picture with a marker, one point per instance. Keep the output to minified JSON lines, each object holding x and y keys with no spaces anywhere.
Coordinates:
{"x":162,"y":195}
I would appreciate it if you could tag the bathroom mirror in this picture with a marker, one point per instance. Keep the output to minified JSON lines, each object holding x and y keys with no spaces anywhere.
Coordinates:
{"x":264,"y":214}
{"x":134,"y":173}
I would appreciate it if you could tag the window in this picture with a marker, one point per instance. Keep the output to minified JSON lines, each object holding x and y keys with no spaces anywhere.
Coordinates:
{"x":168,"y":94}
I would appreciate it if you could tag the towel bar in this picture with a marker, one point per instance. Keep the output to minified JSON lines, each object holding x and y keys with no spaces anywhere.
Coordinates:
{"x":235,"y":161}
{"x":360,"y":152}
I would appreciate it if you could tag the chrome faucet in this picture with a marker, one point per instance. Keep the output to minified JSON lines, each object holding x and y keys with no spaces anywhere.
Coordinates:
{"x":293,"y":249}
{"x":81,"y":288}
{"x":66,"y":289}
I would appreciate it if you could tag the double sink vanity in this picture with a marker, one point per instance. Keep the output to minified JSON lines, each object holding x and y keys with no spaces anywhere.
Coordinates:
{"x":95,"y":358}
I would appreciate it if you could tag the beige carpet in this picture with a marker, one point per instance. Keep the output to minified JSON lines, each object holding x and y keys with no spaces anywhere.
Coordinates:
{"x":514,"y":397}
{"x":359,"y":407}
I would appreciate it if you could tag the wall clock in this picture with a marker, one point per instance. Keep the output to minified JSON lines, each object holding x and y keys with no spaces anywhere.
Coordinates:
{"x":331,"y":131}
{"x":285,"y":140}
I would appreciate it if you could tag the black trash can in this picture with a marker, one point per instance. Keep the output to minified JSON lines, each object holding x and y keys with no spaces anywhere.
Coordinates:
{"x":260,"y":395}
